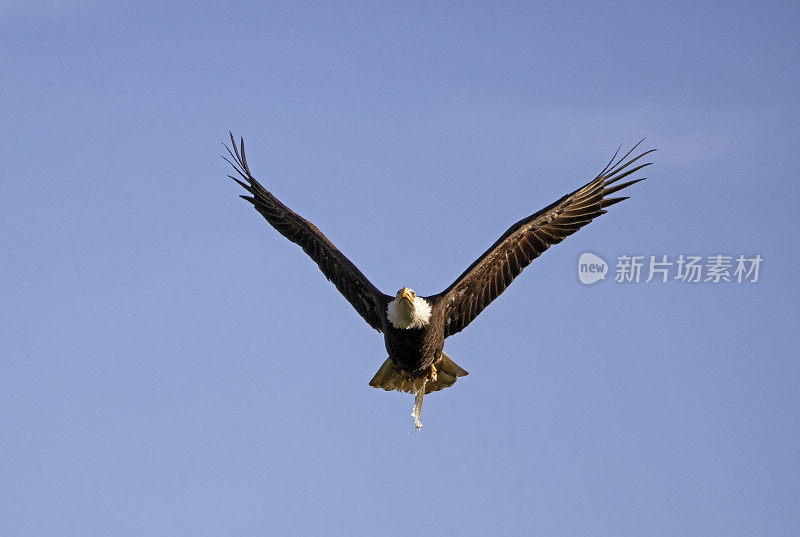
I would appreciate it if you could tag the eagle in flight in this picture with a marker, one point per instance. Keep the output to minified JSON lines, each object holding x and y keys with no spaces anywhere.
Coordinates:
{"x":414,"y":327}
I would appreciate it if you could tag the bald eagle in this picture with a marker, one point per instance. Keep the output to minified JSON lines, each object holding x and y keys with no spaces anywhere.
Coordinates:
{"x":414,"y":327}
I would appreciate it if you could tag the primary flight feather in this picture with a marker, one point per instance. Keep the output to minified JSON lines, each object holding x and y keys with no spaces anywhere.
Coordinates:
{"x":414,"y":328}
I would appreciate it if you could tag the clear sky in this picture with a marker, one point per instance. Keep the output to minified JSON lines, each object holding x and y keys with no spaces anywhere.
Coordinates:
{"x":170,"y":365}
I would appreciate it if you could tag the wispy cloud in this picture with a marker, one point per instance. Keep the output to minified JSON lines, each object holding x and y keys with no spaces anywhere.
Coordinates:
{"x":42,"y":7}
{"x":691,"y":136}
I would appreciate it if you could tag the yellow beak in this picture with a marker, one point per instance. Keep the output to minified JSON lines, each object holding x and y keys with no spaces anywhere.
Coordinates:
{"x":407,"y":294}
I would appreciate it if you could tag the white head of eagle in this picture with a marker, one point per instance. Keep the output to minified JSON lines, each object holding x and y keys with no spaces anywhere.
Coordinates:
{"x":408,"y":310}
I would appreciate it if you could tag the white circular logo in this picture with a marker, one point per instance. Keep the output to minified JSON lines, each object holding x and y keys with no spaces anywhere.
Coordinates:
{"x":591,"y":268}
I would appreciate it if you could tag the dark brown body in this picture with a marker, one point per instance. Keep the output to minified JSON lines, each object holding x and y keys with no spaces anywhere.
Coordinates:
{"x":415,"y":349}
{"x":412,"y":353}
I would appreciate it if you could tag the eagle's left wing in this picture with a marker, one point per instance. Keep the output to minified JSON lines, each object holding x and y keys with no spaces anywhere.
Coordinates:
{"x":367,"y":300}
{"x":493,"y":272}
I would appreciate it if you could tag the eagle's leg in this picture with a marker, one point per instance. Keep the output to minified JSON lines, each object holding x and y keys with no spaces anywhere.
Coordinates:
{"x":433,"y":373}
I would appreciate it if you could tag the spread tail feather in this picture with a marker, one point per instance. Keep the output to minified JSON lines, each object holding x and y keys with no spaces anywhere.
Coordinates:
{"x":390,"y":377}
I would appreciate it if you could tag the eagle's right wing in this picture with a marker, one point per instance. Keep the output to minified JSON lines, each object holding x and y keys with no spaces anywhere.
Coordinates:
{"x":493,"y":272}
{"x":368,"y":301}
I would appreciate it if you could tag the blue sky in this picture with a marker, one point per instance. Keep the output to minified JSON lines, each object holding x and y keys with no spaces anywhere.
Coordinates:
{"x":170,"y":365}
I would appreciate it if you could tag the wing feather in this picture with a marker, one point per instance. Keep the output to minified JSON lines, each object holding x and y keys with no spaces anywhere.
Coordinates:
{"x":367,"y":300}
{"x":493,"y":272}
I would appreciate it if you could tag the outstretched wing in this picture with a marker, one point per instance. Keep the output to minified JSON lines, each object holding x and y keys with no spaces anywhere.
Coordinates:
{"x":494,"y":271}
{"x":368,"y":301}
